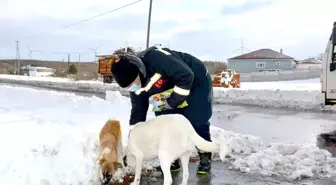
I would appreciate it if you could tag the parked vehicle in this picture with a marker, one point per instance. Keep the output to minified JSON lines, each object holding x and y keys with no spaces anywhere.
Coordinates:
{"x":104,"y":67}
{"x":227,"y":78}
{"x":328,"y":75}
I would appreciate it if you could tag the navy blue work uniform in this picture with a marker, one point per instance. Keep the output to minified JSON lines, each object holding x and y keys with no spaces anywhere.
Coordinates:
{"x":162,"y":69}
{"x":190,"y":80}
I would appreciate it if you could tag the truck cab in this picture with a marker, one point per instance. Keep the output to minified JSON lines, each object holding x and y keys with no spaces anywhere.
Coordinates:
{"x":328,"y":76}
{"x":104,"y":67}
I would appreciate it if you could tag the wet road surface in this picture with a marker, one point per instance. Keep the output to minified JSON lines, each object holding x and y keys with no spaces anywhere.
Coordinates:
{"x":222,"y":176}
{"x":273,"y":125}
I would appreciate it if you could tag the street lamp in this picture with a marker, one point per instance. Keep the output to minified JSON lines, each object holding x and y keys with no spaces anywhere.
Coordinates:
{"x":149,"y":23}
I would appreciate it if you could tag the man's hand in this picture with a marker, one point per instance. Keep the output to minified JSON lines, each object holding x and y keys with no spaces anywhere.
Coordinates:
{"x":159,"y":104}
{"x":159,"y":101}
{"x":164,"y":105}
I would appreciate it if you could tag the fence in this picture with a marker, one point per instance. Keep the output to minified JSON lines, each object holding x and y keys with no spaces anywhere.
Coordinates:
{"x":296,"y":74}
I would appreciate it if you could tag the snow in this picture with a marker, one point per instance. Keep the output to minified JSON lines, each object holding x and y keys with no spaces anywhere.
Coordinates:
{"x":62,"y":83}
{"x":250,"y":154}
{"x":297,"y":94}
{"x":310,"y":84}
{"x":50,"y":137}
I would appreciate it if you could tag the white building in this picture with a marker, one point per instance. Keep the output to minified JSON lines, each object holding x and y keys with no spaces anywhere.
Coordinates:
{"x":39,"y":71}
{"x":309,"y":63}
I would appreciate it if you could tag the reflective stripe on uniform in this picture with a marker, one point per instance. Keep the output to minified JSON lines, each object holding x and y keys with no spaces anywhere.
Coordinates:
{"x":180,"y":91}
{"x":162,"y":51}
{"x":153,"y":79}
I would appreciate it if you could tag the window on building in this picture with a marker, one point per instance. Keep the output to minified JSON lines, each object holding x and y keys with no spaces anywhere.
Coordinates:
{"x":277,"y":63}
{"x":260,"y":64}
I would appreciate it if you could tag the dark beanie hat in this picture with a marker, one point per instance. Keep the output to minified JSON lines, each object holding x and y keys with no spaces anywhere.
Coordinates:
{"x":124,"y":72}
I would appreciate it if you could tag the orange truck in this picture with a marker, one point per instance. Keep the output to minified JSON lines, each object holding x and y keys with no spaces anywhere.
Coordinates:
{"x":227,"y":78}
{"x":104,"y":67}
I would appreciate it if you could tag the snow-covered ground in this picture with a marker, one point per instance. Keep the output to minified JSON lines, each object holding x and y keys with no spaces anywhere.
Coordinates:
{"x":299,"y":94}
{"x":51,"y":138}
{"x":62,"y":83}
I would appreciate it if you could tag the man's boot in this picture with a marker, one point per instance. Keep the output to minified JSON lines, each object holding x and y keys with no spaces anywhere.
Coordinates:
{"x":204,"y":166}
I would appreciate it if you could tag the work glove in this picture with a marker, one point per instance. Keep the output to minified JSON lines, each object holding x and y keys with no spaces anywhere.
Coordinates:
{"x":159,"y":101}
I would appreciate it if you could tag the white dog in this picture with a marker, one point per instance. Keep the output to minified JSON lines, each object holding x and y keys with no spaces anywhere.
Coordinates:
{"x":167,"y":137}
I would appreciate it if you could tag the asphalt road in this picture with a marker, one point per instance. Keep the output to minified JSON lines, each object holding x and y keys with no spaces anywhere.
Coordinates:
{"x":273,"y":125}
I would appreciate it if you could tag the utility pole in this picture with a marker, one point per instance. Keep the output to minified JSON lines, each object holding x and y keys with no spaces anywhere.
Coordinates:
{"x":18,"y":57}
{"x":149,"y":23}
{"x":62,"y":65}
{"x":79,"y":58}
{"x":68,"y":62}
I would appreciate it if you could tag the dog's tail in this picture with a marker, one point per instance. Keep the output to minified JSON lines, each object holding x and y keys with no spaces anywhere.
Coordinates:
{"x":203,"y":144}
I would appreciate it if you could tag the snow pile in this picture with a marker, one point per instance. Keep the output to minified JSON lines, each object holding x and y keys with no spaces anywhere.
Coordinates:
{"x":250,"y":155}
{"x":280,"y":75}
{"x":62,"y":84}
{"x":117,"y":98}
{"x":35,"y":78}
{"x":298,"y":94}
{"x":292,"y":161}
{"x":300,"y":99}
{"x":295,"y":85}
{"x":52,"y":138}
{"x":46,"y":154}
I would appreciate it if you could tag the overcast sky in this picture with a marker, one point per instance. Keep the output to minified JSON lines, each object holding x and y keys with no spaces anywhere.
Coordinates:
{"x":208,"y":29}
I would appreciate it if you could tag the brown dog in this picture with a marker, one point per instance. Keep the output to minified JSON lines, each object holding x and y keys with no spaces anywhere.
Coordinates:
{"x":111,"y":152}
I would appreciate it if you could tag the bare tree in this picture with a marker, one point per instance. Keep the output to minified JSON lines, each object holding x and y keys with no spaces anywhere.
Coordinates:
{"x":128,"y":50}
{"x":215,"y":66}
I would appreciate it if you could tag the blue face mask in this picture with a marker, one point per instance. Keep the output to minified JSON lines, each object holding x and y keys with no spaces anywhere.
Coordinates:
{"x":134,"y":87}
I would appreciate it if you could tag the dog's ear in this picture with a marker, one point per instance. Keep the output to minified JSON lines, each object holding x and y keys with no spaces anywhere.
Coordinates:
{"x":101,"y":160}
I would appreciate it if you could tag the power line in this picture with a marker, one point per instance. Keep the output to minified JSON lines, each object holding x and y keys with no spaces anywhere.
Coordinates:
{"x":79,"y":22}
